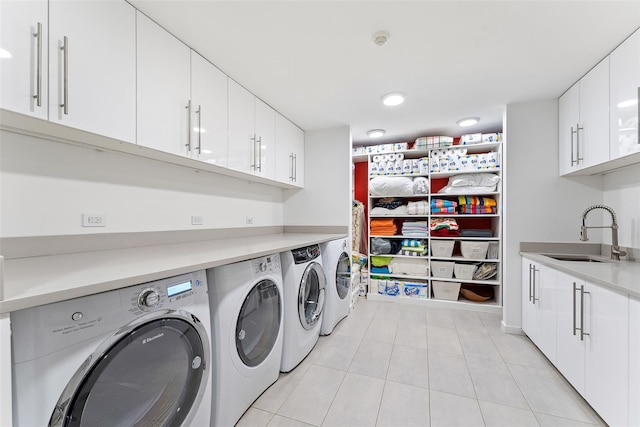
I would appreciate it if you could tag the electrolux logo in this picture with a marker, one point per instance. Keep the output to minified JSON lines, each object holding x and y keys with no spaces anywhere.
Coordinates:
{"x":148,"y":340}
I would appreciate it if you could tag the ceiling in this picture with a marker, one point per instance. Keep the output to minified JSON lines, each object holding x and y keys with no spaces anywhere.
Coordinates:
{"x":316,"y":63}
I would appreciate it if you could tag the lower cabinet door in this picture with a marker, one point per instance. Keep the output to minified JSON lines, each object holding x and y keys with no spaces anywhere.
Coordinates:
{"x":570,"y":343}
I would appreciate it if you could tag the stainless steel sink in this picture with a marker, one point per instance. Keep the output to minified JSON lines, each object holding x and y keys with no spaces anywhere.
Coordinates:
{"x":575,"y":258}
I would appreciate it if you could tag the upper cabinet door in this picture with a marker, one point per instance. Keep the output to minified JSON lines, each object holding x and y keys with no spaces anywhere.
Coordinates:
{"x":289,"y":152}
{"x":92,"y":66}
{"x":594,"y":116}
{"x":624,"y":63}
{"x":164,"y":90}
{"x":209,"y":111}
{"x":568,"y":118}
{"x":24,"y":40}
{"x":241,"y":131}
{"x":265,"y":119}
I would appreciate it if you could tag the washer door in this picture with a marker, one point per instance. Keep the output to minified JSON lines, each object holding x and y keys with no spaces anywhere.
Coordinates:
{"x":153,"y":371}
{"x":343,"y":275}
{"x":258,"y":323}
{"x":311,"y":295}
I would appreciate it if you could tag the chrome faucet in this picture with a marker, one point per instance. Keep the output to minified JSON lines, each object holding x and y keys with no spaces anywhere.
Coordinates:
{"x":616,"y":253}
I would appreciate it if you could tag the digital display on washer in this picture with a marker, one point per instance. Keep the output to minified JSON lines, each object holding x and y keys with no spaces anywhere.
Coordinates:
{"x":178,"y":289}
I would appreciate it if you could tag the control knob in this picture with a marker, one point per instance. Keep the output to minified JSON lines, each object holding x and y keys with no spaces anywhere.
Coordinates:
{"x":148,"y":299}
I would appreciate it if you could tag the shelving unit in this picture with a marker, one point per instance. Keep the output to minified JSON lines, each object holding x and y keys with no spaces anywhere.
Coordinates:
{"x":488,"y":221}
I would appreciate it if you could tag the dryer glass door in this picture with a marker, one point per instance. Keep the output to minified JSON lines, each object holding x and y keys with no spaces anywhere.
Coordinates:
{"x":311,"y":295}
{"x":343,"y":275}
{"x":258,"y":323}
{"x":150,"y":376}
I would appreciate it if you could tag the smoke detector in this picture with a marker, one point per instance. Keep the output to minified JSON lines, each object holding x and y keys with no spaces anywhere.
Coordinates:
{"x":380,"y":38}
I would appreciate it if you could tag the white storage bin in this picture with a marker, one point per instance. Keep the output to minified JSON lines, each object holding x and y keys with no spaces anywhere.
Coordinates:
{"x":442,"y":269}
{"x":446,"y":290}
{"x":474,"y":249}
{"x":442,"y":248}
{"x":464,"y":271}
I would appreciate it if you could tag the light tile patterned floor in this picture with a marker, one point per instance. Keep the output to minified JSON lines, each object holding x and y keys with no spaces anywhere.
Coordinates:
{"x":399,"y":365}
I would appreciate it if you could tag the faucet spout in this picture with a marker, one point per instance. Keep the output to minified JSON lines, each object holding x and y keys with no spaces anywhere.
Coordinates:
{"x":616,"y":253}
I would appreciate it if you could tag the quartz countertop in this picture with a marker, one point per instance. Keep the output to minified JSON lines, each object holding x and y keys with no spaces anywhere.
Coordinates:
{"x":40,"y":280}
{"x":621,"y":276}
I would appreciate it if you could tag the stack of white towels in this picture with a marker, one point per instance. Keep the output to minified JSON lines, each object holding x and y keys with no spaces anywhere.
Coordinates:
{"x":418,"y":208}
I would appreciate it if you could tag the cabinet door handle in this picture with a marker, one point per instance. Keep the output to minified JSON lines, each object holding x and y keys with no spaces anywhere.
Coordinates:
{"x":253,"y":152}
{"x":199,"y":113}
{"x":291,"y":167}
{"x":259,"y":167}
{"x":534,"y":299}
{"x":188,"y":144}
{"x":530,"y":280}
{"x":638,"y":116}
{"x":578,"y":158}
{"x":575,"y":288}
{"x":65,"y":76}
{"x":295,"y":168}
{"x":38,"y":94}
{"x":582,"y":332}
{"x":572,"y":132}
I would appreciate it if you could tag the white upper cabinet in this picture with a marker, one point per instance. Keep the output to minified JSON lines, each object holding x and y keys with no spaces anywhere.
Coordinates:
{"x":251,"y":133}
{"x":289,"y":152}
{"x":164,"y":90}
{"x":209,"y":111}
{"x":585,"y":142}
{"x":624,"y":65}
{"x":24,"y":39}
{"x":92,"y":67}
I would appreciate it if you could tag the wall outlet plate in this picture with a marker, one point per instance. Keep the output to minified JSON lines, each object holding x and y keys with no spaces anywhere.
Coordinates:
{"x":197,"y":220}
{"x":94,"y":220}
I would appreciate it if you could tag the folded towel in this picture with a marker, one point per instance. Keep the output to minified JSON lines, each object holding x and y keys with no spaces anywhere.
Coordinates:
{"x":474,"y":200}
{"x":439,"y":203}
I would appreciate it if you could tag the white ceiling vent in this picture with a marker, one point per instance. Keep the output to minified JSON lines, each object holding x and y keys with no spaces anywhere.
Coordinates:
{"x":380,"y":38}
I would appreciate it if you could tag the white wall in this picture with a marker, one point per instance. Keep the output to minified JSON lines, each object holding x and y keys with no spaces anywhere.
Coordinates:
{"x":326,"y":197}
{"x":622,"y":193}
{"x":539,"y":206}
{"x":46,"y":186}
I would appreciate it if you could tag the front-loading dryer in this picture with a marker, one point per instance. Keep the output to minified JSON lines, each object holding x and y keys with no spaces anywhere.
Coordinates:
{"x":133,"y":356}
{"x":336,"y":260}
{"x":246,"y":313}
{"x":304,"y":294}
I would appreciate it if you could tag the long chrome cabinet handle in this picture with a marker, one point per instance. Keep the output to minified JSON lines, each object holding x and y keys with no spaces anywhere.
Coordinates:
{"x":575,"y":288}
{"x":188,"y":144}
{"x":534,"y":299}
{"x":572,"y":132}
{"x":38,"y":95}
{"x":291,"y":167}
{"x":578,"y":158}
{"x":638,"y":117}
{"x":65,"y":93}
{"x":530,"y":280}
{"x":199,"y":113}
{"x":582,"y":332}
{"x":259,"y":167}
{"x":253,"y":152}
{"x":295,"y":168}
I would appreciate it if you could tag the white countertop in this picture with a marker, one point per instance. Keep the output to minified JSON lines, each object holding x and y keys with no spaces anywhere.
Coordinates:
{"x":34,"y":281}
{"x":621,"y":276}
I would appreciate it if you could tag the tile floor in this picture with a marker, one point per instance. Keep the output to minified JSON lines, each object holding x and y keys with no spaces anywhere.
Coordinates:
{"x":401,"y":365}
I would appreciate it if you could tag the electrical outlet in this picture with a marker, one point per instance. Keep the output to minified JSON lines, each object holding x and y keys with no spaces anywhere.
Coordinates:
{"x":94,"y":220}
{"x":197,"y":220}
{"x":249,"y":220}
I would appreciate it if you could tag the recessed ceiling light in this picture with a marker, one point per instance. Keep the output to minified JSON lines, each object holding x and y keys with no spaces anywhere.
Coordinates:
{"x":375,"y":133}
{"x":381,"y":38}
{"x":392,"y":99}
{"x":469,"y":121}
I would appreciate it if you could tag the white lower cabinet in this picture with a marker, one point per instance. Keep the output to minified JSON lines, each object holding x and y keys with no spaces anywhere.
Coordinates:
{"x":634,"y":358}
{"x":593,"y":345}
{"x":539,"y":306}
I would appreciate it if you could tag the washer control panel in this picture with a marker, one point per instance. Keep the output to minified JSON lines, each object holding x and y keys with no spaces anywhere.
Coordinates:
{"x":267,"y":264}
{"x":172,"y":292}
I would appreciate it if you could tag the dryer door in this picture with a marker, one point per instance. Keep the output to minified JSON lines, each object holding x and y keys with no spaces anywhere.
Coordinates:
{"x":343,"y":275}
{"x":311,"y":295}
{"x":258,"y":323}
{"x":153,"y":371}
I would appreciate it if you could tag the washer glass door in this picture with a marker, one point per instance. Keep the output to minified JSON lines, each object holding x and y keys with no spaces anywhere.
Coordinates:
{"x":343,"y":275}
{"x":311,"y":295}
{"x":149,"y":375}
{"x":258,"y":323}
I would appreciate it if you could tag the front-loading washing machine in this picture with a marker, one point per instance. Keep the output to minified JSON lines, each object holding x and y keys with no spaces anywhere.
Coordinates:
{"x":304,"y":295}
{"x":247,"y":315}
{"x":336,"y":260}
{"x":133,"y":356}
